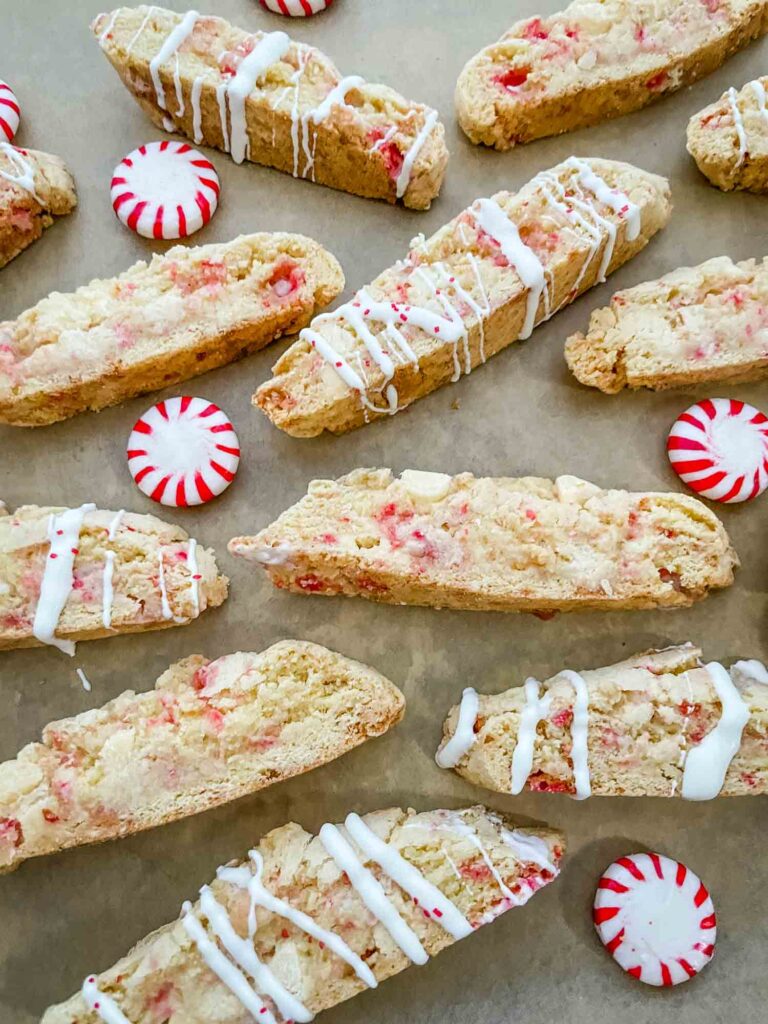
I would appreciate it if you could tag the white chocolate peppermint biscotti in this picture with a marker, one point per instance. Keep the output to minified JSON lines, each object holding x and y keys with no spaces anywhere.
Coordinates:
{"x":35,"y":188}
{"x":486,"y":544}
{"x":83,"y":573}
{"x":188,"y":311}
{"x":729,"y":139}
{"x":481,"y":282}
{"x":696,"y":324}
{"x":306,"y":922}
{"x":596,"y":60}
{"x":661,"y":723}
{"x":209,"y":732}
{"x":262,"y":97}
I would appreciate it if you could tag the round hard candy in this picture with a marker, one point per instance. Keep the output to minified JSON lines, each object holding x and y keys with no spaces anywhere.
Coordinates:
{"x":656,"y":919}
{"x":296,"y":8}
{"x":10,"y":112}
{"x":183,"y":451}
{"x":719,"y":448}
{"x":165,"y":190}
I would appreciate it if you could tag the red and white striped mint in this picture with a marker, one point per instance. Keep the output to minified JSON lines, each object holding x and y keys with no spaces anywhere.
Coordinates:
{"x":183,"y":451}
{"x":165,"y":190}
{"x":656,"y":919}
{"x":296,"y":8}
{"x":10,"y":112}
{"x":719,"y":448}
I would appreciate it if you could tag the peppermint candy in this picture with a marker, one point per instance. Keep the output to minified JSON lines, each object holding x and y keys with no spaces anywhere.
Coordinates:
{"x":296,"y":8}
{"x":165,"y":190}
{"x":9,"y":112}
{"x":719,"y":448}
{"x":656,"y":918}
{"x":183,"y":451}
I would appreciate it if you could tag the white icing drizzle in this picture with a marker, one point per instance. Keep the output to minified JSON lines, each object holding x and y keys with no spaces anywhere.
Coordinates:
{"x":706,"y":764}
{"x":580,"y":734}
{"x":299,"y":125}
{"x":386,"y":137}
{"x":462,"y":828}
{"x":536,"y":708}
{"x":108,"y":590}
{"x":140,"y":30}
{"x":244,"y":955}
{"x":372,"y":893}
{"x":197,"y":114}
{"x":109,"y":26}
{"x":25,"y":171}
{"x":573,"y":208}
{"x":490,"y":217}
{"x":527,"y":848}
{"x":337,"y":97}
{"x":167,"y":612}
{"x":406,"y":171}
{"x":751,"y":670}
{"x":464,"y":737}
{"x":194,"y":584}
{"x":225,"y":971}
{"x":221,"y":99}
{"x":177,"y":88}
{"x":114,"y":526}
{"x":618,"y":201}
{"x":424,"y":273}
{"x":56,"y":584}
{"x":261,"y":897}
{"x":169,"y":49}
{"x":431,"y":900}
{"x":758,"y":89}
{"x":269,"y":49}
{"x":86,"y":684}
{"x":101,"y":1004}
{"x":738,"y":124}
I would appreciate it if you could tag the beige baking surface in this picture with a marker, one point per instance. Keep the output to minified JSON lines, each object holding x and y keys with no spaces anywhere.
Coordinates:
{"x":63,"y":916}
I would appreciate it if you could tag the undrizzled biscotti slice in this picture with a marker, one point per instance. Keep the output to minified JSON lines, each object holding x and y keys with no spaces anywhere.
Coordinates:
{"x":209,"y":732}
{"x":593,"y":61}
{"x":35,"y":187}
{"x":262,"y":97}
{"x":482,"y":281}
{"x":306,"y":922}
{"x":696,"y":324}
{"x":83,"y":573}
{"x":186,"y":312}
{"x":503,"y":544}
{"x":729,"y":139}
{"x":661,"y":723}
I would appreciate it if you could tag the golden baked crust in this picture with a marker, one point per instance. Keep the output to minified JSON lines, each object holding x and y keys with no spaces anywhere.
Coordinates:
{"x":729,"y":139}
{"x":504,"y":544}
{"x":367,"y":139}
{"x":473,"y":857}
{"x":209,"y":732}
{"x":696,"y":324}
{"x":594,"y":61}
{"x":35,"y":187}
{"x":188,"y":311}
{"x":645,"y":714}
{"x":152,"y":576}
{"x":464,"y":294}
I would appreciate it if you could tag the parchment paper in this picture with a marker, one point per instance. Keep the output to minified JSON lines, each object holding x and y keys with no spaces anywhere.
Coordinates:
{"x":63,"y":916}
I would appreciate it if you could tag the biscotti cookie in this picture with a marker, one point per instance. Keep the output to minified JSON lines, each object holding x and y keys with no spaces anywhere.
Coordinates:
{"x":187,"y":312}
{"x":696,"y":324}
{"x":488,"y":544}
{"x":661,"y":723}
{"x":729,"y":139}
{"x":306,"y":922}
{"x":34,"y":188}
{"x":594,"y":61}
{"x":209,"y":732}
{"x":263,"y":97}
{"x":482,"y":281}
{"x":82,"y":573}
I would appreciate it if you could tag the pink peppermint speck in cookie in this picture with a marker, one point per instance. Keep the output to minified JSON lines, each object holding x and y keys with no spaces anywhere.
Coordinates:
{"x":165,"y":190}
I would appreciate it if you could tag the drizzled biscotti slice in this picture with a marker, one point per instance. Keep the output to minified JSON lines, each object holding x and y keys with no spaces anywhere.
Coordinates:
{"x":485,"y":279}
{"x":263,"y":97}
{"x":696,"y":324}
{"x":661,"y":723}
{"x":306,"y":922}
{"x":186,"y":312}
{"x":209,"y":732}
{"x":83,"y":573}
{"x":35,"y":187}
{"x":489,"y":544}
{"x":729,"y":139}
{"x":594,"y":61}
